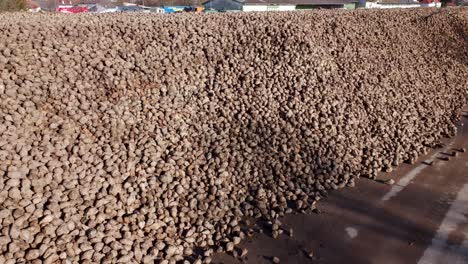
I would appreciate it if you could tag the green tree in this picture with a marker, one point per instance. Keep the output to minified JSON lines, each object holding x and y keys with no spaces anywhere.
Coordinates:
{"x":13,"y":5}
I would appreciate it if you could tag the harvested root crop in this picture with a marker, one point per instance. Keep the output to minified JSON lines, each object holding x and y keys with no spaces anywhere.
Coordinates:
{"x":137,"y":137}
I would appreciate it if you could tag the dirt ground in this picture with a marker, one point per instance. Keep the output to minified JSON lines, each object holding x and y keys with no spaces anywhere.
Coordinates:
{"x":422,"y":218}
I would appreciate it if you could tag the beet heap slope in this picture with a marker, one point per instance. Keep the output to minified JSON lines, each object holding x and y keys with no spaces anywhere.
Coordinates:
{"x":136,"y":137}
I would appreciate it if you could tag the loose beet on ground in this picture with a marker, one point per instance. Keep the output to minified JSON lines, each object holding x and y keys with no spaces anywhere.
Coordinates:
{"x":138,"y":137}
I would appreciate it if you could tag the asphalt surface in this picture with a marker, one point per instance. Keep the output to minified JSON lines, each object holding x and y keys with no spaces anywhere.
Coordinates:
{"x":422,"y":218}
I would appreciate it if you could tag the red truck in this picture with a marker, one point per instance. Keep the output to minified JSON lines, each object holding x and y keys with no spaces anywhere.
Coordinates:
{"x":72,"y":9}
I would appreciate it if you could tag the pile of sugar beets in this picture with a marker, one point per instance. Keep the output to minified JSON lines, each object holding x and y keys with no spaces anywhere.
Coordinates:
{"x":137,"y":138}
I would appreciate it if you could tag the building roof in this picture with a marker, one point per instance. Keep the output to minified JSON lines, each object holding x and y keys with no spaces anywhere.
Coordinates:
{"x":299,"y":2}
{"x":32,"y":4}
{"x":399,"y":2}
{"x":293,"y":2}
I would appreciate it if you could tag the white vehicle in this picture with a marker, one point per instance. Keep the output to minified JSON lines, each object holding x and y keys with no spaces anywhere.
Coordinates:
{"x":109,"y":10}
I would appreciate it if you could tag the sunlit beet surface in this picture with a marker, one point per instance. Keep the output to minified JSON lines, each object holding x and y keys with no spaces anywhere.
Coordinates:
{"x":141,"y":137}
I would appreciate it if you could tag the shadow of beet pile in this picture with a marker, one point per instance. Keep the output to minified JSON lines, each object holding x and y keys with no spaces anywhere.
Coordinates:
{"x":138,"y":137}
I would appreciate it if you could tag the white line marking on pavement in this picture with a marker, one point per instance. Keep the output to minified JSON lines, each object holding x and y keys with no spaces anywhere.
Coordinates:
{"x":440,"y":251}
{"x":352,"y":232}
{"x":403,"y":182}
